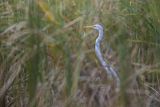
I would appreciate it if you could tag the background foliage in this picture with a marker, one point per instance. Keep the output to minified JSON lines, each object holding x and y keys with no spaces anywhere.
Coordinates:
{"x":47,"y":57}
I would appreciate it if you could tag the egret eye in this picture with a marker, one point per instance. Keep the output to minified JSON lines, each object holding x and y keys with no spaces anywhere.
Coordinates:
{"x":95,"y":27}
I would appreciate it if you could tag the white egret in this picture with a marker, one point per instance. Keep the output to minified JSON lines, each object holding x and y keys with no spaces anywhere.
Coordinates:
{"x":111,"y":73}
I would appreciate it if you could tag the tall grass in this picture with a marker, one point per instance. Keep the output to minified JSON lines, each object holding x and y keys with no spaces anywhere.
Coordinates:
{"x":47,"y":58}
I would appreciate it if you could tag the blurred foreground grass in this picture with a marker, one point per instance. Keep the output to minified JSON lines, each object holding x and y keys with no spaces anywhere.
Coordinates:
{"x":47,"y":58}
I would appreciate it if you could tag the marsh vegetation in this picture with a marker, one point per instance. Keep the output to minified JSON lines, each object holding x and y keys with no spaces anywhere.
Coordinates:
{"x":47,"y":58}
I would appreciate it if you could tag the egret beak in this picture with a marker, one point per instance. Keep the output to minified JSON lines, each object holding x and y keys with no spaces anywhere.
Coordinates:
{"x":89,"y":27}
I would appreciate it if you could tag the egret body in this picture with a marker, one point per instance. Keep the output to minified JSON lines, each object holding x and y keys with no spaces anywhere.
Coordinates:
{"x":109,"y":69}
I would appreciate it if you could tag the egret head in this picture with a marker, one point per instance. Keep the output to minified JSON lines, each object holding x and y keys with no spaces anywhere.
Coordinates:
{"x":96,"y":27}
